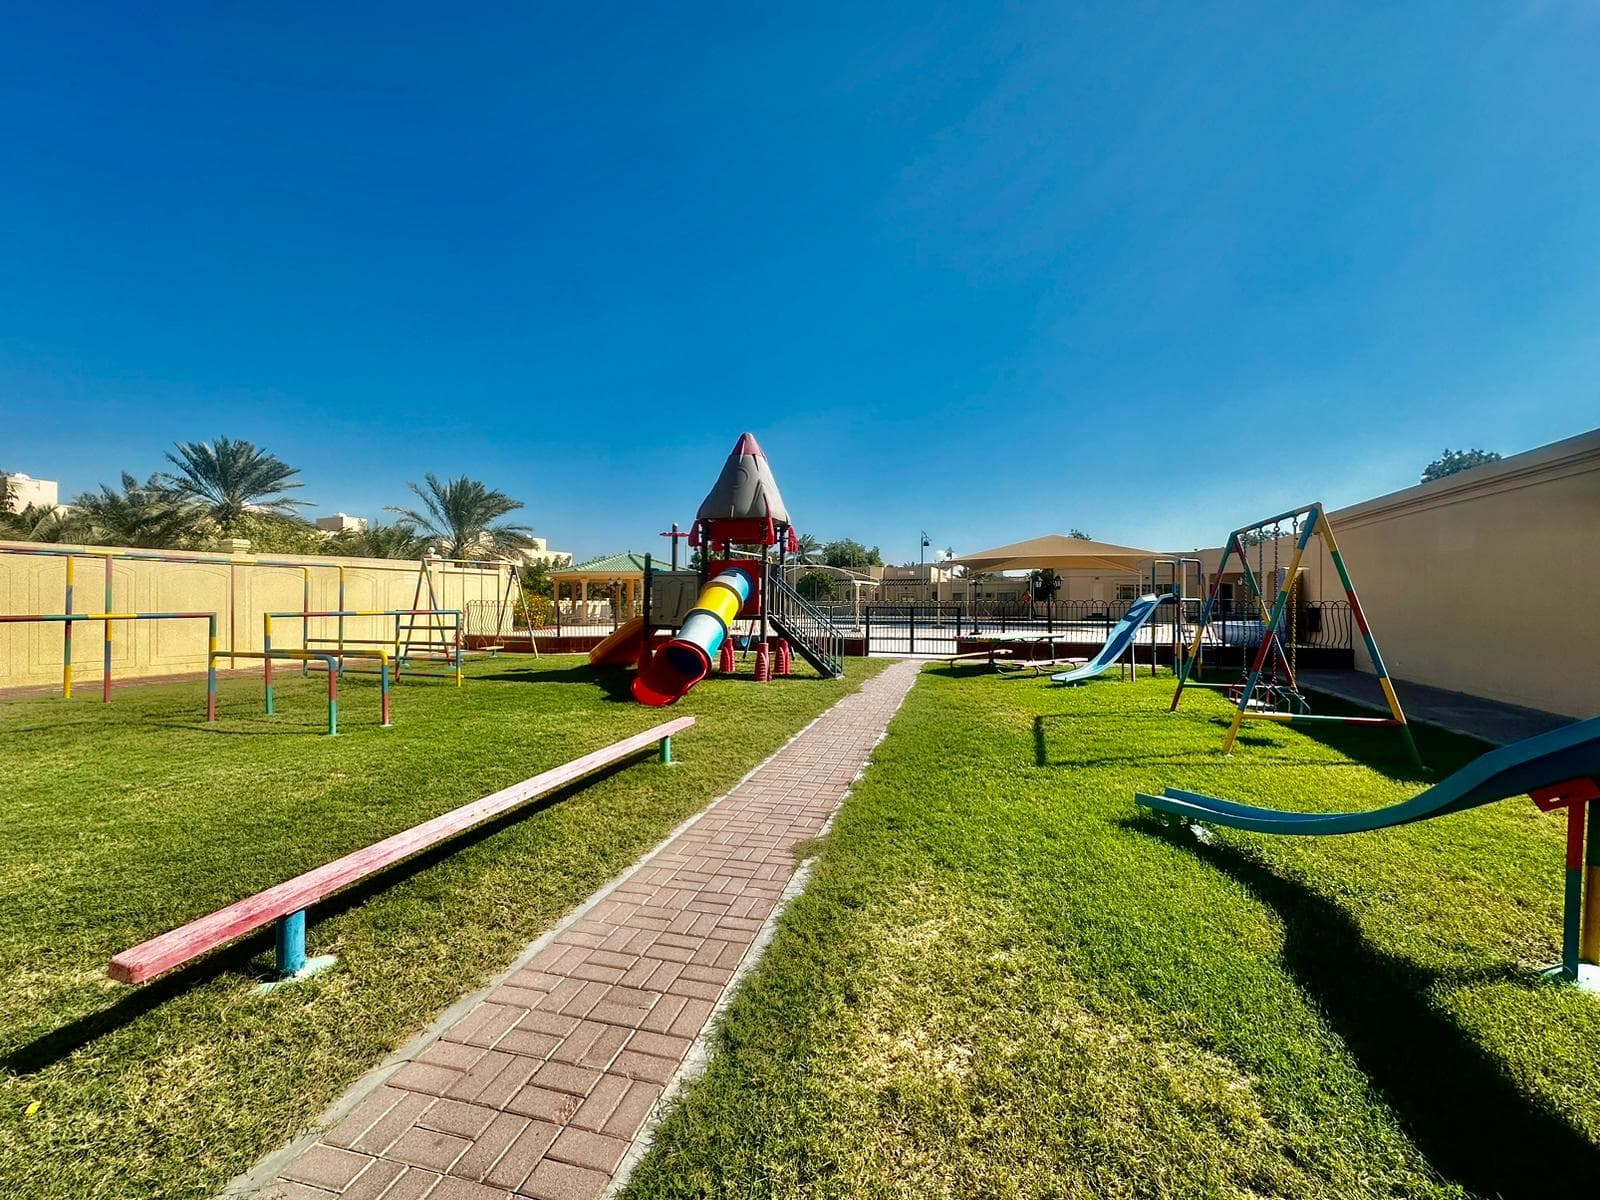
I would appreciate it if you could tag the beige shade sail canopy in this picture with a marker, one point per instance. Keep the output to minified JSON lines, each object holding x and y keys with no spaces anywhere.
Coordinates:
{"x":1057,"y":552}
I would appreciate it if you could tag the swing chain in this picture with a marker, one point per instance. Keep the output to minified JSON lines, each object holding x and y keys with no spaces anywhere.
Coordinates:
{"x":1294,"y":612}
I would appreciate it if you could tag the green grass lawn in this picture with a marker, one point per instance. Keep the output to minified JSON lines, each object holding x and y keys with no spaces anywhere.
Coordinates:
{"x":1002,"y":981}
{"x":122,"y":821}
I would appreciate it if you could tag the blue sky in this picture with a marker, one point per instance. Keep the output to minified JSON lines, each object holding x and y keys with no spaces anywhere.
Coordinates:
{"x":985,"y":270}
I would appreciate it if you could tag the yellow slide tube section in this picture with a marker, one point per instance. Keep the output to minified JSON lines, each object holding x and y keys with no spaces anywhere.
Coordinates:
{"x":721,"y":598}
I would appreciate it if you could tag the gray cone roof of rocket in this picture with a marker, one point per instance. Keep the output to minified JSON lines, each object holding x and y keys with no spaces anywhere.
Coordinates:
{"x":746,"y":490}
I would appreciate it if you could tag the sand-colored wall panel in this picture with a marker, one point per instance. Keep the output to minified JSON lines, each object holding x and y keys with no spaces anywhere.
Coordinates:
{"x":237,"y":588}
{"x":1484,"y":583}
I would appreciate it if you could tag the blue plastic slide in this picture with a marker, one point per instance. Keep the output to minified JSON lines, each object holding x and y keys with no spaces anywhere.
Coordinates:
{"x":1122,"y":635}
{"x":1571,"y":752}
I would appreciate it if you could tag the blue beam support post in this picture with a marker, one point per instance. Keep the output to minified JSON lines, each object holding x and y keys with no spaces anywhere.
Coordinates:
{"x":290,"y":944}
{"x":289,"y":953}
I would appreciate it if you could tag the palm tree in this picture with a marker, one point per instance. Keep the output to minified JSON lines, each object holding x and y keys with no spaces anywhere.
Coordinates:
{"x":37,"y":523}
{"x":399,"y":540}
{"x":230,"y":477}
{"x":808,"y":551}
{"x":149,"y":515}
{"x":460,"y":517}
{"x":32,"y":522}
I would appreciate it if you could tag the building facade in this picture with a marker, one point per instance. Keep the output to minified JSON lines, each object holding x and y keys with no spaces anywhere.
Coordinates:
{"x":25,"y":490}
{"x":341,"y":523}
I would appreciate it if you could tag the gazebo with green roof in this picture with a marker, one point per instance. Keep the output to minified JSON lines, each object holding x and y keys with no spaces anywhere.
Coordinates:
{"x":615,"y":575}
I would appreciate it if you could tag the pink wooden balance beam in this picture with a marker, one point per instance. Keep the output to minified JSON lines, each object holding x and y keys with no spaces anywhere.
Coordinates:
{"x":286,"y":903}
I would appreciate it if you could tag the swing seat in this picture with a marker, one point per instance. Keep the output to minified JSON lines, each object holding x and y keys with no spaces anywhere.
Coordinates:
{"x":1272,"y":697}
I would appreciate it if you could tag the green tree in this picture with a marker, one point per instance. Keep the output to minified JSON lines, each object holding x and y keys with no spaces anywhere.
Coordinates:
{"x":1044,"y":584}
{"x":229,"y":478}
{"x":272,"y":533}
{"x":535,"y":575}
{"x":461,"y":517}
{"x":808,"y":551}
{"x":147,"y":515}
{"x":1075,"y":532}
{"x":538,"y":590}
{"x":1453,"y":462}
{"x":851,"y":555}
{"x":816,"y":585}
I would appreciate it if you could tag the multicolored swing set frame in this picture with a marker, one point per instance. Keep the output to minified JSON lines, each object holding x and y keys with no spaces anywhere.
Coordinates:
{"x":1309,"y":520}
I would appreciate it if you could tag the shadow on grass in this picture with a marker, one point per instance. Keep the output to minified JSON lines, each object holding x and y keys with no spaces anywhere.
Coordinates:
{"x":288,"y":729}
{"x":1456,"y":1101}
{"x":965,"y":671}
{"x":613,"y":682}
{"x":53,"y":1046}
{"x":1384,"y":748}
{"x":1212,"y":755}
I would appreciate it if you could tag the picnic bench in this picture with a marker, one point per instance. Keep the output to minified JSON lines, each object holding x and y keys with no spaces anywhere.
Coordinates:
{"x":993,"y":649}
{"x":1038,"y":665}
{"x":1012,"y":653}
{"x":286,"y":903}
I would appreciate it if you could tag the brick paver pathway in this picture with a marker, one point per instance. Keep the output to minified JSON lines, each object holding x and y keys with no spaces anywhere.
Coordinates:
{"x":540,"y":1088}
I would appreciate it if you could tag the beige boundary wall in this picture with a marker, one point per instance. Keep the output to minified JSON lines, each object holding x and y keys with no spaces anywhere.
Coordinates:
{"x":1488,"y":582}
{"x":239,"y":591}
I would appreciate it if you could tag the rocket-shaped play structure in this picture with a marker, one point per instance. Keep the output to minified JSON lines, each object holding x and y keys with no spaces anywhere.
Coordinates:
{"x":743,"y":531}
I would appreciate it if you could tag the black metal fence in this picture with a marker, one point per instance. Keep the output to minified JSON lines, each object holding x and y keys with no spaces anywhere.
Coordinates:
{"x":933,"y":628}
{"x":594,"y":619}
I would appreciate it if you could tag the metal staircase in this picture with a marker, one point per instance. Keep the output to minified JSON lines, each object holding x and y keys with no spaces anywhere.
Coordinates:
{"x":812,"y":635}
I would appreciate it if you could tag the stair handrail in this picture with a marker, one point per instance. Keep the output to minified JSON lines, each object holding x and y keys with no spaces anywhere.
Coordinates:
{"x":805,"y":620}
